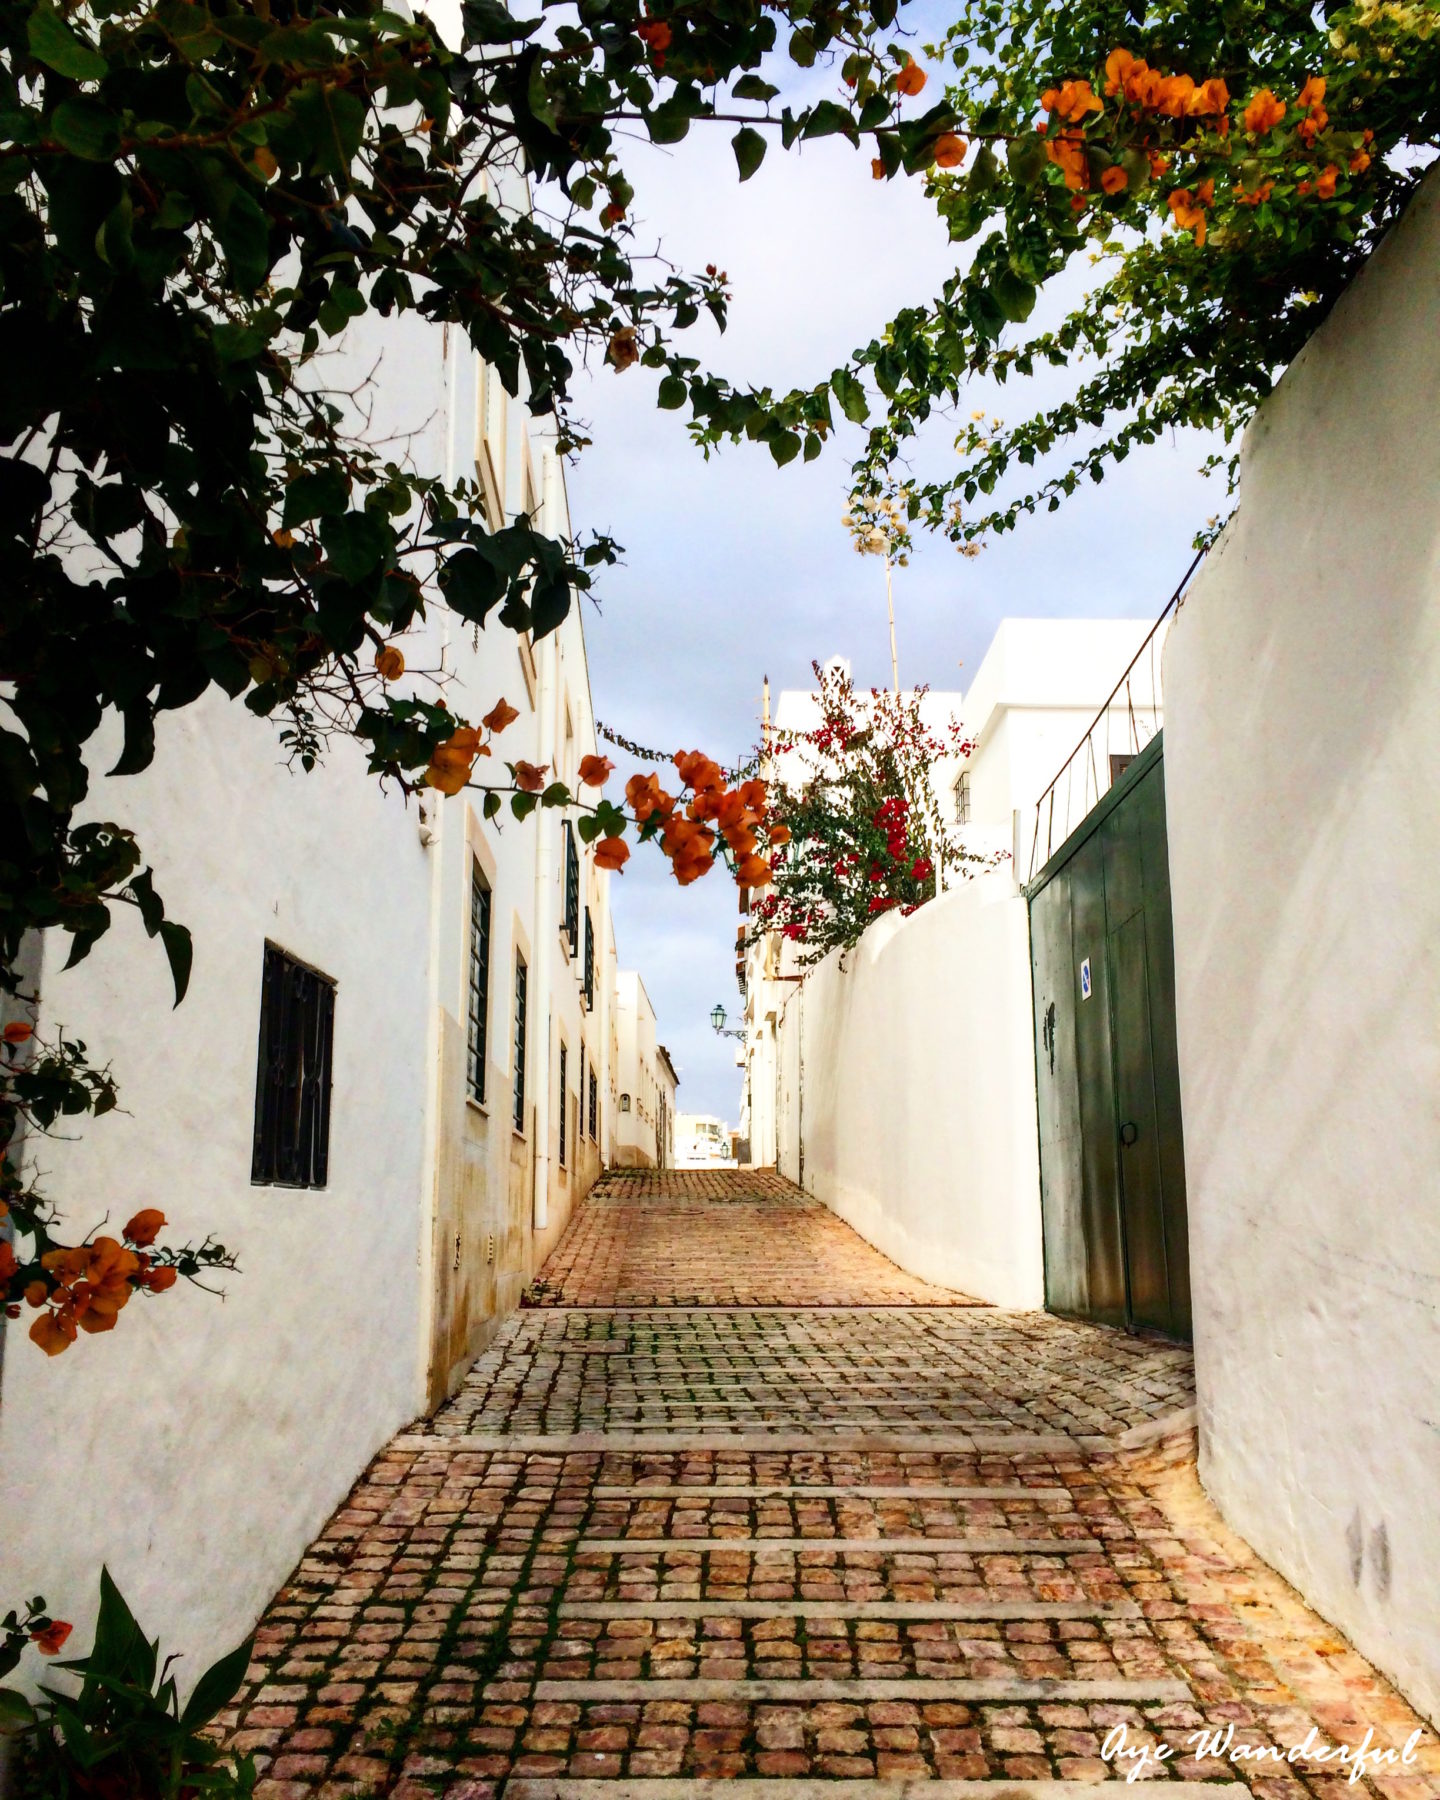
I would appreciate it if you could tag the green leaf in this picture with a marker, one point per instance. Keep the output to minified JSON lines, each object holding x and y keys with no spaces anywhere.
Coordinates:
{"x":16,"y":1713}
{"x":86,"y":127}
{"x":491,"y":805}
{"x":588,"y":828}
{"x":784,"y":445}
{"x":181,"y":953}
{"x":355,"y":543}
{"x":749,"y":148}
{"x":549,"y":603}
{"x":557,"y":794}
{"x":751,"y":87}
{"x":851,"y":395}
{"x":1026,"y":158}
{"x":316,"y":494}
{"x":1014,"y":296}
{"x":522,"y":805}
{"x":672,"y":393}
{"x":218,"y":1686}
{"x":471,"y":584}
{"x":53,"y":43}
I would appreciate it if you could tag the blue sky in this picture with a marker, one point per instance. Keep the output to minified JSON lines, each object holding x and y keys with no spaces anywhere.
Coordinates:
{"x":734,"y":569}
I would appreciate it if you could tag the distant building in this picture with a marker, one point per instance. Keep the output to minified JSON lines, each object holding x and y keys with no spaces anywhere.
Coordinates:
{"x":703,"y":1142}
{"x":645,"y":1082}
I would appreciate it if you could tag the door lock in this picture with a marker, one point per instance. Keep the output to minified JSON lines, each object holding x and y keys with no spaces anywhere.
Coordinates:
{"x":1128,"y":1134}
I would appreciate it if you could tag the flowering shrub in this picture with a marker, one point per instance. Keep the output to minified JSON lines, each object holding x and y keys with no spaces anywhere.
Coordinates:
{"x":856,"y":828}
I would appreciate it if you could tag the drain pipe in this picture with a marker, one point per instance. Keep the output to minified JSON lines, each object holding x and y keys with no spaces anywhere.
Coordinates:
{"x":547,"y":683}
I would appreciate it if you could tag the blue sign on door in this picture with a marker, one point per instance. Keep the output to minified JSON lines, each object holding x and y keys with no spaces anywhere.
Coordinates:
{"x":1085,"y":979}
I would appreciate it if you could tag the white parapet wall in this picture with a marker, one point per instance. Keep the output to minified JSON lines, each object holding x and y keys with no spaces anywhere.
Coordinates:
{"x":1302,"y":686}
{"x":908,"y":1075}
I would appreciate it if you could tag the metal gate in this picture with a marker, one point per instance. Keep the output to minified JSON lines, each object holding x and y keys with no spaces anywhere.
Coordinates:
{"x":1112,"y":1158}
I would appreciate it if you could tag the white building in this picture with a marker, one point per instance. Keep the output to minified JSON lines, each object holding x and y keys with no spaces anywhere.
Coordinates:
{"x":933,"y":1157}
{"x":703,"y":1142}
{"x":645,"y":1081}
{"x":385,"y":1091}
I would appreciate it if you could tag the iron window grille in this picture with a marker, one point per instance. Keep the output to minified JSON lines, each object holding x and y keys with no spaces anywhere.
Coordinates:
{"x":594,"y":1107}
{"x":521,"y":975}
{"x":477,"y":1036}
{"x":589,"y":984}
{"x":564,"y":1106}
{"x":962,"y":798}
{"x":572,"y":889}
{"x":293,"y":1076}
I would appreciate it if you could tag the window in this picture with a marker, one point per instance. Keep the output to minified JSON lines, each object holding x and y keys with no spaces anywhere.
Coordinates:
{"x":589,"y":983}
{"x":292,"y":1081}
{"x":572,"y":889}
{"x":479,"y":999}
{"x":624,"y":1103}
{"x":521,"y":973}
{"x":564,"y":1105}
{"x":1118,"y":765}
{"x":962,"y":798}
{"x":594,"y":1106}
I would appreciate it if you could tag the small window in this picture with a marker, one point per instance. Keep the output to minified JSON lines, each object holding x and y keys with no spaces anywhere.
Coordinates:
{"x":962,"y":798}
{"x":521,"y":975}
{"x":572,"y":888}
{"x":292,"y":1081}
{"x":1118,"y":765}
{"x":594,"y":1106}
{"x":564,"y":1105}
{"x":589,"y":982}
{"x":624,"y":1103}
{"x":479,"y":998}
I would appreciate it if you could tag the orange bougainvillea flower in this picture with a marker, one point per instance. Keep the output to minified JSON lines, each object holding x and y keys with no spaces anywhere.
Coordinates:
{"x":911,"y":78}
{"x":612,"y":853}
{"x":1359,"y":162}
{"x":1118,"y":65}
{"x":1068,"y":150}
{"x":50,"y":1639}
{"x":54,"y":1331}
{"x":1176,"y":93}
{"x":697,"y":771}
{"x":779,"y":834}
{"x":501,"y":714}
{"x":390,"y":662}
{"x":949,"y":151}
{"x":1159,"y":165}
{"x":754,"y":871}
{"x":18,"y":1032}
{"x":1313,"y":92}
{"x":36,"y":1294}
{"x":1114,"y":180}
{"x":877,"y":168}
{"x":595,"y":771}
{"x":1261,"y":193}
{"x":1325,"y":182}
{"x":450,"y":761}
{"x":1210,"y":98}
{"x":530,"y":777}
{"x":157,"y":1280}
{"x":1188,"y":215}
{"x":144,"y":1228}
{"x":656,"y":33}
{"x":1264,"y":112}
{"x":642,"y":794}
{"x":1072,"y":100}
{"x":753,"y":793}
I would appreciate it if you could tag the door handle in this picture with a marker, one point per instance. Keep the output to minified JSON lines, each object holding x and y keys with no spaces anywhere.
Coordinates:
{"x":1128,"y":1134}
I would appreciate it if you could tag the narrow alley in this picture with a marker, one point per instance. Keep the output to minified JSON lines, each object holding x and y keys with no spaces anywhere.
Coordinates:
{"x":734,"y":1497}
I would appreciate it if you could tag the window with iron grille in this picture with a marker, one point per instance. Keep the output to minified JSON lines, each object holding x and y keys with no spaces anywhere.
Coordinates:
{"x":572,"y":889}
{"x":564,"y":1106}
{"x":521,"y":974}
{"x":594,"y":1105}
{"x":962,"y":798}
{"x":479,"y":997}
{"x":292,"y":1081}
{"x":589,"y":986}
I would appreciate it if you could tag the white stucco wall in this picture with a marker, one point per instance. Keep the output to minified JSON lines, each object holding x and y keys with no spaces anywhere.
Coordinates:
{"x":916,"y":1092}
{"x":1303,"y":694}
{"x":198,"y":1446}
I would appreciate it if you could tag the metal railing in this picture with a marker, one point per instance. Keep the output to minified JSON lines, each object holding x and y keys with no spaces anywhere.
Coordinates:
{"x":1124,"y":725}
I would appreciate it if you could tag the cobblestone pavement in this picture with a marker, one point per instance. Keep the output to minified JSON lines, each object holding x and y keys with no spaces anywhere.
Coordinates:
{"x":646,"y":1547}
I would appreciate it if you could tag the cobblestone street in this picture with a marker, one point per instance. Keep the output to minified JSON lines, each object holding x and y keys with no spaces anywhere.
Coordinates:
{"x":737,"y":1498}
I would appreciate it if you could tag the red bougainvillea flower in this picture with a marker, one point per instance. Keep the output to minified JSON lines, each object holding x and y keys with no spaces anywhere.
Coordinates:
{"x":18,"y":1032}
{"x":595,"y":771}
{"x":501,"y":714}
{"x":922,"y":868}
{"x":530,"y":777}
{"x":50,"y":1639}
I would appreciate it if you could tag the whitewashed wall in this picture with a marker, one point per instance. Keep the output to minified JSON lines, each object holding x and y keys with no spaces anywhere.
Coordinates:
{"x":198,"y":1446}
{"x":909,"y":1075}
{"x":1302,"y":685}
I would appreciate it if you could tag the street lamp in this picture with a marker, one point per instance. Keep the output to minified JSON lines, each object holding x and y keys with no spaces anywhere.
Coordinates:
{"x":717,"y":1022}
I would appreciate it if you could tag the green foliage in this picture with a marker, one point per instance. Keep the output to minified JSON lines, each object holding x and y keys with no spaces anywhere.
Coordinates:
{"x":867,"y":830}
{"x":119,"y":1728}
{"x":1221,"y":239}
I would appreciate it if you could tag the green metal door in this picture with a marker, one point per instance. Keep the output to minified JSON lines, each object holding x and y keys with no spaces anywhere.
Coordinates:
{"x":1111,"y":1146}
